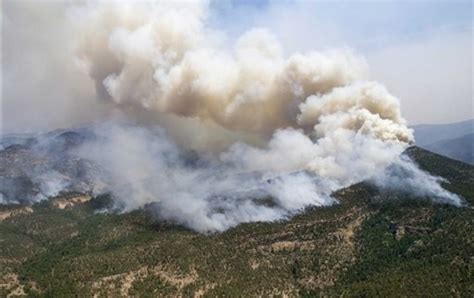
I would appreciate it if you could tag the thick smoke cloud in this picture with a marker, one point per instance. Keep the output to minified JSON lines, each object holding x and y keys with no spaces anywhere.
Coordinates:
{"x":144,"y":166}
{"x":294,"y":128}
{"x":207,"y":192}
{"x":162,"y":57}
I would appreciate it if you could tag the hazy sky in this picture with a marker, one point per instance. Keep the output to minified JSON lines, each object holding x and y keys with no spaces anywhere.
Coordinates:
{"x":421,"y":50}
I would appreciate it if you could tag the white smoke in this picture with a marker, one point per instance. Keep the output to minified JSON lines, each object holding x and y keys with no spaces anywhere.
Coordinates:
{"x":144,"y":167}
{"x":403,"y":176}
{"x":293,"y":128}
{"x":208,"y":192}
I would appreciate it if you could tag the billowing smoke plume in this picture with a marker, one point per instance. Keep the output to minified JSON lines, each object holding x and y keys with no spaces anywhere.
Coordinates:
{"x":296,"y":127}
{"x":203,"y":192}
{"x":162,"y":57}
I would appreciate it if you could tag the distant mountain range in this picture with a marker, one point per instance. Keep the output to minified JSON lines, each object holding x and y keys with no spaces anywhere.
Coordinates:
{"x":454,"y":140}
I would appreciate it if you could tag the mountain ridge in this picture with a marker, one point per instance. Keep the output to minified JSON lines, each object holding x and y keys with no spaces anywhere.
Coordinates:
{"x":455,"y":140}
{"x":426,"y":134}
{"x":460,"y":148}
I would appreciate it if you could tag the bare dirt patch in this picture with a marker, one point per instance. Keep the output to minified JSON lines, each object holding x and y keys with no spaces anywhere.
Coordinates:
{"x":15,"y":212}
{"x":71,"y":201}
{"x":123,"y":282}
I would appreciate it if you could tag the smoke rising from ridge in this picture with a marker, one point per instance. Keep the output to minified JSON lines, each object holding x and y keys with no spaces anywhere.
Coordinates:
{"x":293,"y":129}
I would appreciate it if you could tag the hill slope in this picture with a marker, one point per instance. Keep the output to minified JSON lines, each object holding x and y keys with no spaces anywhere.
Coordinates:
{"x":426,"y":134}
{"x":372,"y":244}
{"x":461,"y":148}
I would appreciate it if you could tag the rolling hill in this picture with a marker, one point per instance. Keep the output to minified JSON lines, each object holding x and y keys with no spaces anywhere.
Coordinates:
{"x":426,"y":134}
{"x":371,"y":244}
{"x":460,"y":148}
{"x":454,"y":140}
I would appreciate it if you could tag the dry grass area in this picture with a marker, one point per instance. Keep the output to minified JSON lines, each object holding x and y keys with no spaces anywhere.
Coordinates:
{"x":14,"y":212}
{"x":69,"y":202}
{"x":10,"y":283}
{"x":120,"y":284}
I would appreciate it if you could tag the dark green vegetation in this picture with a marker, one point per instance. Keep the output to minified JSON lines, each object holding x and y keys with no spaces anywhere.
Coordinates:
{"x":364,"y":246}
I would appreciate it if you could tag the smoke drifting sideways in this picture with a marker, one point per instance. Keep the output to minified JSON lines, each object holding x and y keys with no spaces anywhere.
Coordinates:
{"x":293,"y":129}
